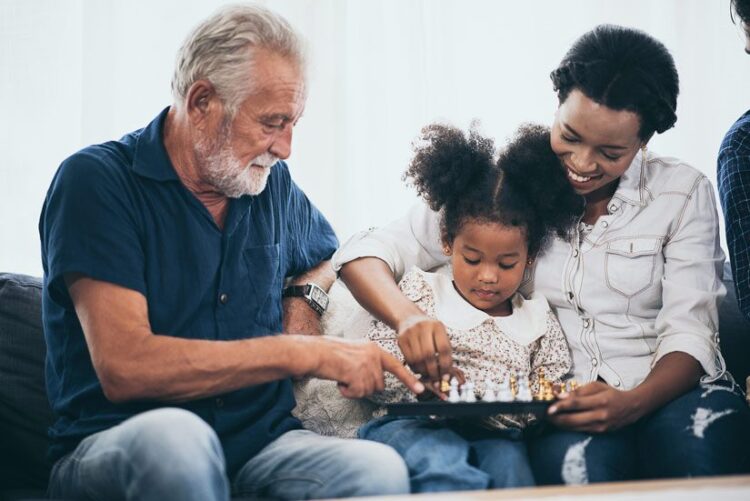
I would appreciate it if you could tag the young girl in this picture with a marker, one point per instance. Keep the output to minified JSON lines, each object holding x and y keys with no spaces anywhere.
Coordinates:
{"x":495,"y":218}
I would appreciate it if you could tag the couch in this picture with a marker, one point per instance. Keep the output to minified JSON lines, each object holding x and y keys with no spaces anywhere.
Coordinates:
{"x":25,"y":413}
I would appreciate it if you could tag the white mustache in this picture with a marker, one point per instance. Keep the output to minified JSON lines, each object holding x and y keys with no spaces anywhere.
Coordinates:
{"x":266,"y":160}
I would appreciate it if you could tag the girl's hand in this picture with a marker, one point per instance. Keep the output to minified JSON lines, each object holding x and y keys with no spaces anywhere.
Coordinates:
{"x":425,"y":346}
{"x":595,"y":408}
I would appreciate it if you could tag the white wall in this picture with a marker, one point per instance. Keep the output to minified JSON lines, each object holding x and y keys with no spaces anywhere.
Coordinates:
{"x":75,"y":72}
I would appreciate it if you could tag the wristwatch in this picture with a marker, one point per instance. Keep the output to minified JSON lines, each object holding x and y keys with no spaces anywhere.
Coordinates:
{"x":314,"y":295}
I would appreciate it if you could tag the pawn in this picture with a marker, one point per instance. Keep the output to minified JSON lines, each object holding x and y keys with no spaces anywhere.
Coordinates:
{"x":489,"y":391}
{"x":467,"y":392}
{"x":524,"y":392}
{"x":504,"y":393}
{"x":453,"y":395}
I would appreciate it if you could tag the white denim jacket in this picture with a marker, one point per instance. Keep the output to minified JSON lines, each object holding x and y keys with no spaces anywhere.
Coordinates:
{"x":646,"y":281}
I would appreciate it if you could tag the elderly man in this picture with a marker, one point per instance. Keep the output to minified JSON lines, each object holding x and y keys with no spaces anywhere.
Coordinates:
{"x":164,"y":256}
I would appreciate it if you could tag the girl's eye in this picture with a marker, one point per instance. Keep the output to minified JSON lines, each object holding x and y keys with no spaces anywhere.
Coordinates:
{"x":471,"y":262}
{"x":508,"y":266}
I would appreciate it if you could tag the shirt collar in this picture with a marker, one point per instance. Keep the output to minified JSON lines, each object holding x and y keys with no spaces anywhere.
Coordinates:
{"x":527,"y":323}
{"x":629,"y":189}
{"x":151,"y":159}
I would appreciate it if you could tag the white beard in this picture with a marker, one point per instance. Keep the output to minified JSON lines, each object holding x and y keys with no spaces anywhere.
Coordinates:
{"x":224,"y":171}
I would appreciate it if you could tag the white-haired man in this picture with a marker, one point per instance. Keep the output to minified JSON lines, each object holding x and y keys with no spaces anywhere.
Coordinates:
{"x":165,"y":255}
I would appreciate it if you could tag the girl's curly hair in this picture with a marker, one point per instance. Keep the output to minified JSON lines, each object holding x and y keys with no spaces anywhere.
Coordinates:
{"x":526,"y":186}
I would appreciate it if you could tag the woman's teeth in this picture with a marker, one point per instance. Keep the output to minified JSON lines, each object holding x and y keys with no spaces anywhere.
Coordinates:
{"x":575,"y":177}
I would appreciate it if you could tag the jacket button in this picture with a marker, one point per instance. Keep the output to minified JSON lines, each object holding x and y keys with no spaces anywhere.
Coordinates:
{"x":575,"y":252}
{"x":224,"y":298}
{"x":605,"y":224}
{"x":586,"y":322}
{"x":570,"y":295}
{"x":219,"y":402}
{"x":594,"y":362}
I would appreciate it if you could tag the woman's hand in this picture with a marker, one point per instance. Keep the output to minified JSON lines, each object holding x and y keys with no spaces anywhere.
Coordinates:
{"x":595,"y":408}
{"x":425,"y":346}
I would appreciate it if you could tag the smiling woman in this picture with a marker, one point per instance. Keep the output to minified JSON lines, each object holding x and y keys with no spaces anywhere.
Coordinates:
{"x":635,"y":287}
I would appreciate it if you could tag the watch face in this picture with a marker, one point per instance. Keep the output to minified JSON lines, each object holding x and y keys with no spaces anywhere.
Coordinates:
{"x":319,"y":297}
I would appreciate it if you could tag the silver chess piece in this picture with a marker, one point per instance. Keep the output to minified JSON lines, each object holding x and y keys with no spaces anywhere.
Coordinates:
{"x":489,"y":391}
{"x":453,"y":395}
{"x":467,"y":392}
{"x":524,"y":391}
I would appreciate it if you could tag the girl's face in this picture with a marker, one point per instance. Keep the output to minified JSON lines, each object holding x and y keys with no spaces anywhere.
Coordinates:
{"x":595,"y":143}
{"x":488,"y":264}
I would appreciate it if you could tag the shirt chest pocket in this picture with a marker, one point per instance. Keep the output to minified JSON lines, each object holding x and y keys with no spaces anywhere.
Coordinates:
{"x":263,"y":271}
{"x":630,"y":264}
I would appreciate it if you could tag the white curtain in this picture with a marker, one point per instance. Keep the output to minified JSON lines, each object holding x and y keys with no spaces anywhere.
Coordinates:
{"x":76,"y":72}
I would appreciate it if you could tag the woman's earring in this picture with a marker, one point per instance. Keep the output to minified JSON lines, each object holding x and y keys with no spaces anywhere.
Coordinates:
{"x":529,"y":262}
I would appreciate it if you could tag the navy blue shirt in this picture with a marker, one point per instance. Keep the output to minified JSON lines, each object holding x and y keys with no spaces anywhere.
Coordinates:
{"x":118,"y":212}
{"x":733,"y":175}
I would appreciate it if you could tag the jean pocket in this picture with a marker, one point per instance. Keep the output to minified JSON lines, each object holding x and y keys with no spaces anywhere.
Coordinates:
{"x":630,"y":263}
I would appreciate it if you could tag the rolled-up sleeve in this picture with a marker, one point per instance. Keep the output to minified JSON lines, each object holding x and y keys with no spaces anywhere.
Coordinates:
{"x":412,"y":241}
{"x":691,"y":285}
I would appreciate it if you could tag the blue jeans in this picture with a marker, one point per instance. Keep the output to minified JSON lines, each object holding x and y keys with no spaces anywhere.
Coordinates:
{"x":173,"y":454}
{"x":446,"y":456}
{"x":706,"y":431}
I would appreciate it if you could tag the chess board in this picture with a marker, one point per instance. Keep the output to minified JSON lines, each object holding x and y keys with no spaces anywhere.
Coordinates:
{"x":467,"y":409}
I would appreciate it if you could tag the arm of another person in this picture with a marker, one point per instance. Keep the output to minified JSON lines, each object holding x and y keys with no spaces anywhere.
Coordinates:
{"x":372,"y":262}
{"x":687,"y":324}
{"x":133,"y":363}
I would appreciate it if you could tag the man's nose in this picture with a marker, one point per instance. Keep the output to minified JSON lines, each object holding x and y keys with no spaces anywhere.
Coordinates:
{"x":282,"y":143}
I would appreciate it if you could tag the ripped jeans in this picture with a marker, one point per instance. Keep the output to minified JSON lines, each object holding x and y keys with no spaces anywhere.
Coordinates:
{"x":706,"y":431}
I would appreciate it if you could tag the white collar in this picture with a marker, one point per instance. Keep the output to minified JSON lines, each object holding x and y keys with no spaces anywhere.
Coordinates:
{"x":527,"y":323}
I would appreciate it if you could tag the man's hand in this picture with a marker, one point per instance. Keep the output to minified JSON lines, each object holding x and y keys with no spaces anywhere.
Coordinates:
{"x":300,"y":318}
{"x":595,"y":408}
{"x":425,"y":346}
{"x":358,"y":367}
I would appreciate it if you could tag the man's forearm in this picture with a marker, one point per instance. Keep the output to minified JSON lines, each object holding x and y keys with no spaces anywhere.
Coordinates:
{"x":299,"y":317}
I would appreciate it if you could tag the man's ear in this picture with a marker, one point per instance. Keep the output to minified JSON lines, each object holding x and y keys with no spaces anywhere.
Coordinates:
{"x":202,"y":102}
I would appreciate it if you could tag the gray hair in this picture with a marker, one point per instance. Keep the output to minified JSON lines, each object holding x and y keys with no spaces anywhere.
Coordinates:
{"x":220,"y":50}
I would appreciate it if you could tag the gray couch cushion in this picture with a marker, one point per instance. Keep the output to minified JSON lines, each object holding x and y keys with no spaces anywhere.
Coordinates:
{"x":25,"y":414}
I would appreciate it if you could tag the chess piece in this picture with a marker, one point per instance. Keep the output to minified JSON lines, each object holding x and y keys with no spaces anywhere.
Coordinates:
{"x":444,"y":386}
{"x":541,"y":385}
{"x":572,"y":385}
{"x":513,"y":385}
{"x":504,"y":393}
{"x":524,"y":392}
{"x":453,"y":395}
{"x":467,"y":392}
{"x":489,"y":391}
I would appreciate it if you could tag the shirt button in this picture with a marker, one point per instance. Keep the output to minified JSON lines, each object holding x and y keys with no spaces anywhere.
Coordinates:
{"x":605,"y":224}
{"x":575,"y":252}
{"x":617,"y":384}
{"x":594,"y":362}
{"x":224,"y":298}
{"x":613,"y":208}
{"x":570,"y":296}
{"x":219,"y":402}
{"x":586,"y":322}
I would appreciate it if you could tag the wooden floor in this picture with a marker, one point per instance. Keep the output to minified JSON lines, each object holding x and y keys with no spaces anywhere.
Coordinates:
{"x":728,"y":488}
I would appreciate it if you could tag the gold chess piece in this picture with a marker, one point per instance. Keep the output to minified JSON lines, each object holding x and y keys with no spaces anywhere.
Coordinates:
{"x":572,"y":385}
{"x":445,"y":386}
{"x":541,"y":385}
{"x":513,"y":385}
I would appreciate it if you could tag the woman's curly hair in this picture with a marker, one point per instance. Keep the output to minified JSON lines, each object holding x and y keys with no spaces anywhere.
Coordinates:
{"x":526,"y":186}
{"x":623,"y":69}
